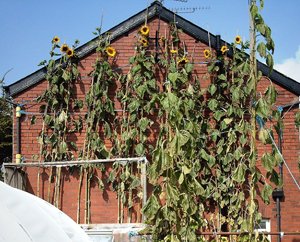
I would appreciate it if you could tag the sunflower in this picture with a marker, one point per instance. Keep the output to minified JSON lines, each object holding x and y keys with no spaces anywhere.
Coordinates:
{"x":237,"y":39}
{"x":224,"y":49}
{"x":183,"y":61}
{"x":64,"y":48}
{"x":162,"y":39}
{"x":145,"y":30}
{"x":56,"y":39}
{"x":207,"y":53}
{"x":111,"y":51}
{"x":144,"y":42}
{"x":70,"y":53}
{"x":173,"y":51}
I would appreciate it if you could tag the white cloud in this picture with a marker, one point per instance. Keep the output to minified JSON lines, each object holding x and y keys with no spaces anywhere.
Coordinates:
{"x":290,"y":67}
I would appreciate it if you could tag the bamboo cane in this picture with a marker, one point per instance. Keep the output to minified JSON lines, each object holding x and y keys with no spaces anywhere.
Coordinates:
{"x":139,"y":201}
{"x":58,"y":186}
{"x":49,"y":187}
{"x":86,"y":196}
{"x":55,"y":188}
{"x":89,"y":197}
{"x":79,"y":194}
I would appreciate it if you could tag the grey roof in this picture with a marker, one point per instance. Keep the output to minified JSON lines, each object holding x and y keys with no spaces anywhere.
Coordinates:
{"x":156,"y":9}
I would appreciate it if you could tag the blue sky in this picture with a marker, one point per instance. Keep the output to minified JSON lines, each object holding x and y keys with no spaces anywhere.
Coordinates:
{"x":28,"y":26}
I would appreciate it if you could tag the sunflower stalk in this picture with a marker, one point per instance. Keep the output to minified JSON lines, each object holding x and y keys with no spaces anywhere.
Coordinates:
{"x":42,"y":145}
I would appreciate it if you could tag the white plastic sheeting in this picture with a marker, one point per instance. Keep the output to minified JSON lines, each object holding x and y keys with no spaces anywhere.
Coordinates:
{"x":25,"y":217}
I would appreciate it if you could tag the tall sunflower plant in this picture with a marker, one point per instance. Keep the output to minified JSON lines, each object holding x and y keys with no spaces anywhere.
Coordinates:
{"x":57,"y":99}
{"x":172,"y":207}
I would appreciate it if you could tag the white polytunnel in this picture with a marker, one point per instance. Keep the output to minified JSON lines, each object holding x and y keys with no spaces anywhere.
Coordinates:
{"x":25,"y":217}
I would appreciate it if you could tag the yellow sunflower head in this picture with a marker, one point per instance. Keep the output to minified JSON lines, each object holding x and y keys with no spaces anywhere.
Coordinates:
{"x":183,"y":61}
{"x":144,"y":42}
{"x":145,"y":30}
{"x":64,"y":48}
{"x":70,"y":53}
{"x":56,"y":39}
{"x":207,"y":53}
{"x":224,"y":49}
{"x":173,"y":51}
{"x":162,"y":39}
{"x":111,"y":51}
{"x":237,"y":39}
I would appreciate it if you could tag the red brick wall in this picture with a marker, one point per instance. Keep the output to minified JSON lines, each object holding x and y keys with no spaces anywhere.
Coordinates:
{"x":104,"y":206}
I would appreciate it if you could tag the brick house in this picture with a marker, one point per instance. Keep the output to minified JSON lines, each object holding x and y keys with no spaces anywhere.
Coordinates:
{"x":104,"y":205}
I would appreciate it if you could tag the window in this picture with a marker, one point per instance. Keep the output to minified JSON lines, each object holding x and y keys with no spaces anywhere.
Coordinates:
{"x":264,"y":226}
{"x":100,"y":235}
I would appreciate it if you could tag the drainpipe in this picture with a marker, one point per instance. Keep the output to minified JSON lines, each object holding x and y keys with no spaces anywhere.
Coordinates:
{"x":278,"y":215}
{"x":19,"y":112}
{"x":18,"y":115}
{"x":278,"y":193}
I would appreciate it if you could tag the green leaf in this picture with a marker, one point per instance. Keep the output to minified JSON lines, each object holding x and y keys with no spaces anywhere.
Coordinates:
{"x":131,"y":60}
{"x":270,"y":62}
{"x":42,"y":63}
{"x":239,"y":173}
{"x":172,"y":193}
{"x":107,"y":130}
{"x":261,"y":48}
{"x":184,"y":203}
{"x":66,"y":76}
{"x":173,"y":77}
{"x":198,"y":188}
{"x":267,"y":161}
{"x":218,"y":114}
{"x":222,"y":77}
{"x":253,"y":11}
{"x":189,"y":67}
{"x":143,"y":123}
{"x":271,"y":95}
{"x":263,"y":108}
{"x":134,"y":105}
{"x":186,"y":170}
{"x":212,"y":89}
{"x":148,"y":65}
{"x":181,"y":178}
{"x":141,"y":91}
{"x":136,"y":69}
{"x":263,"y":135}
{"x":135,"y":183}
{"x":204,"y":155}
{"x":236,"y":95}
{"x":63,"y":147}
{"x":266,"y":193}
{"x":228,"y":120}
{"x":140,"y":149}
{"x":212,"y":104}
{"x":62,"y":117}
